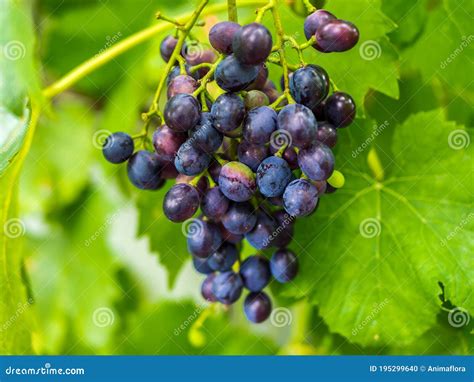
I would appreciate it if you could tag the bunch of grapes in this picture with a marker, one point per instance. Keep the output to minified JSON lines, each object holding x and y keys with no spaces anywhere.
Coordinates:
{"x":247,"y":163}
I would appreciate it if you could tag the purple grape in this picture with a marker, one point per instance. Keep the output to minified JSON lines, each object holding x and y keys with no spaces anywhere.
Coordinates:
{"x":204,"y":136}
{"x":252,"y":44}
{"x":228,"y":112}
{"x":319,"y":111}
{"x":221,"y":36}
{"x":229,"y":236}
{"x":214,"y":204}
{"x":232,"y":75}
{"x":181,"y":202}
{"x":227,"y":287}
{"x":204,"y":238}
{"x":191,"y":160}
{"x":176,"y":71}
{"x":326,"y":134}
{"x":255,"y":273}
{"x":273,"y":175}
{"x":336,"y":36}
{"x":239,"y":218}
{"x":118,"y":147}
{"x":261,"y":234}
{"x":261,"y":79}
{"x":330,"y":189}
{"x":182,"y":84}
{"x":206,"y":288}
{"x":252,"y":155}
{"x":340,"y":109}
{"x":182,"y":112}
{"x":224,"y":258}
{"x":320,"y":185}
{"x":168,"y":170}
{"x":196,"y":53}
{"x":202,"y":184}
{"x":167,"y":142}
{"x":259,"y":125}
{"x":300,"y":123}
{"x":237,"y":182}
{"x":316,"y":20}
{"x":309,"y":85}
{"x":271,"y":92}
{"x":289,"y":155}
{"x":143,"y":170}
{"x":257,"y":307}
{"x":254,"y":99}
{"x":300,"y":198}
{"x":316,"y":161}
{"x":167,"y":47}
{"x":284,"y":265}
{"x":201,"y":265}
{"x":284,"y":232}
{"x":214,"y":170}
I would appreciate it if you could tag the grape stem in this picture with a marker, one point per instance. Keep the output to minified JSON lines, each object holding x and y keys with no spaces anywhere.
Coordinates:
{"x":310,"y":7}
{"x":207,"y":78}
{"x":232,"y":11}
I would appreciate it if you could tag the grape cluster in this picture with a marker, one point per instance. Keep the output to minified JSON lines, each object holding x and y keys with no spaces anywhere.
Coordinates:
{"x":248,"y":163}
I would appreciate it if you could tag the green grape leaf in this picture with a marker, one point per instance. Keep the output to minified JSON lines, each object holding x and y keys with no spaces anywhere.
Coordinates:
{"x":373,"y":254}
{"x":371,"y":64}
{"x":189,"y":329}
{"x":460,"y":12}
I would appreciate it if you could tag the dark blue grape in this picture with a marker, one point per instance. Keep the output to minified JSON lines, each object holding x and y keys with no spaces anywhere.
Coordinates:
{"x":261,"y":79}
{"x":261,"y":235}
{"x":252,"y":155}
{"x":228,"y":112}
{"x":272,"y":93}
{"x":284,"y":232}
{"x":326,"y":134}
{"x":224,"y":258}
{"x":316,"y":161}
{"x":321,"y":186}
{"x":206,"y":288}
{"x":227,"y":287}
{"x":204,"y":238}
{"x":176,"y":71}
{"x":205,"y":136}
{"x":214,"y":170}
{"x":259,"y":125}
{"x":255,"y":273}
{"x":232,"y":75}
{"x":167,"y":47}
{"x":181,"y":202}
{"x":182,"y":112}
{"x":202,"y":184}
{"x":201,"y":265}
{"x":229,"y":236}
{"x":167,"y":142}
{"x":309,"y":85}
{"x":221,"y":36}
{"x":181,"y":84}
{"x":257,"y":307}
{"x":239,"y":218}
{"x":273,"y":175}
{"x":168,"y":170}
{"x":284,"y":265}
{"x":143,"y":170}
{"x":300,"y":198}
{"x":237,"y":182}
{"x":289,"y":155}
{"x":252,"y":44}
{"x":316,"y":20}
{"x":340,"y":109}
{"x":214,"y":204}
{"x":190,"y":160}
{"x":118,"y":147}
{"x":319,"y":111}
{"x":336,"y":36}
{"x":300,"y":123}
